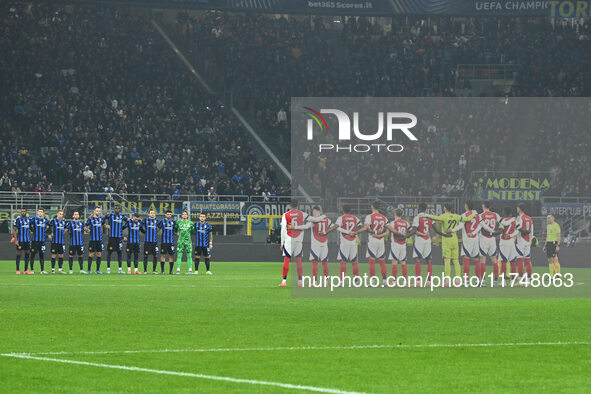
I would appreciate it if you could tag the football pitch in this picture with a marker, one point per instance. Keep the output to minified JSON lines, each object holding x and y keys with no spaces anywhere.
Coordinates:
{"x":237,"y":331}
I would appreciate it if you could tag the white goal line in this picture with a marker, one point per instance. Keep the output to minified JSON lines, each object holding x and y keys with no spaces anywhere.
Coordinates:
{"x":285,"y":348}
{"x":184,"y":374}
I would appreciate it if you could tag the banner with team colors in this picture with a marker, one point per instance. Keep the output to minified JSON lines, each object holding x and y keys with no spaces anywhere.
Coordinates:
{"x":407,"y":182}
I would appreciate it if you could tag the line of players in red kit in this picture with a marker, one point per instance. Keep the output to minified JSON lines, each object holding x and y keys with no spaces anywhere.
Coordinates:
{"x":295,"y":221}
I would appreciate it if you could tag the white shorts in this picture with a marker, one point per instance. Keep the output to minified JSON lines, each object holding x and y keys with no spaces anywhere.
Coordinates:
{"x":488,"y":246}
{"x":422,"y":248}
{"x":523,"y":249}
{"x":292,"y":248}
{"x":348,"y":251}
{"x":471,"y":247}
{"x":319,"y":252}
{"x":507,"y":250}
{"x":375,"y":248}
{"x":398,"y":252}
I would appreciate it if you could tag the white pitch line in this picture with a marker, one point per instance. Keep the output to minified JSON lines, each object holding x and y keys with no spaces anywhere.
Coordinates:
{"x":184,"y":374}
{"x":284,"y":348}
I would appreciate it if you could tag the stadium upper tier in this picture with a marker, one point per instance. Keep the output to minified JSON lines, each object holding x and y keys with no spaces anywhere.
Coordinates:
{"x":94,"y":99}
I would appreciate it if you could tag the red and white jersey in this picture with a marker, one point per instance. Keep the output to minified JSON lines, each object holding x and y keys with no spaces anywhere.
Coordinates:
{"x":401,"y":226}
{"x":348,"y":223}
{"x":377,"y":222}
{"x":294,"y":217}
{"x":423,"y":225}
{"x":524,"y":222}
{"x":318,"y":227}
{"x":489,"y":221}
{"x":472,"y":227}
{"x":509,"y":227}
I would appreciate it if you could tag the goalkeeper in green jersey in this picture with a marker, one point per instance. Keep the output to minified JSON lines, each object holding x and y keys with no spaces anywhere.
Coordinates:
{"x":449,"y":243}
{"x":185,"y":228}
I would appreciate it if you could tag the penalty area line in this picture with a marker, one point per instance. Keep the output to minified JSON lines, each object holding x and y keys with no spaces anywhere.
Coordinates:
{"x":184,"y":374}
{"x":285,"y":348}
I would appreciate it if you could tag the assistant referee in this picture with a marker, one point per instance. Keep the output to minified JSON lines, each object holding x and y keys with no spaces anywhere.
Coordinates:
{"x":552,"y":245}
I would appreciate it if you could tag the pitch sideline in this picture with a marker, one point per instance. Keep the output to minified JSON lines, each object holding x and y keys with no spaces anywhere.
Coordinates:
{"x":286,"y":348}
{"x":184,"y":374}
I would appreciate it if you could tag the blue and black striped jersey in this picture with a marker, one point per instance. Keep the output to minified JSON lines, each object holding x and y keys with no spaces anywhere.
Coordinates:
{"x":57,"y":229}
{"x":38,"y":228}
{"x":116,"y":222}
{"x":167,"y":227}
{"x":151,"y":228}
{"x":23,"y":227}
{"x":96,"y":228}
{"x":134,"y":231}
{"x":202,"y":230}
{"x":75,"y":228}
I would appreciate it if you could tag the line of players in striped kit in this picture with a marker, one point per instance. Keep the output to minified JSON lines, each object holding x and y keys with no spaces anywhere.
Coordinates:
{"x":479,"y":232}
{"x":31,"y":234}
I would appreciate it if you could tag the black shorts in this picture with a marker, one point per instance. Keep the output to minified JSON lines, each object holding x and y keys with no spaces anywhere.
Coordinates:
{"x":23,"y":246}
{"x":133,"y":248}
{"x":201,"y":251}
{"x":76,"y":250}
{"x":551,"y":249}
{"x":167,"y":249}
{"x":57,"y":248}
{"x":150,"y":248}
{"x":96,"y":246}
{"x":115,"y":244}
{"x":37,"y":246}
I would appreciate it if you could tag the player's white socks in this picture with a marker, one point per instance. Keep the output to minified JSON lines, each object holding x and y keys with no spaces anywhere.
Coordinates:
{"x":284,"y":281}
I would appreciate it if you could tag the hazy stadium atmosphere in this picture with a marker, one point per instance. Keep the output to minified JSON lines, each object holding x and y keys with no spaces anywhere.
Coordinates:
{"x":194,"y":196}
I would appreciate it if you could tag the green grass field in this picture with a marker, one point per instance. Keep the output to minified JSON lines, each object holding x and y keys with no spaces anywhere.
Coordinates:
{"x":236,"y":331}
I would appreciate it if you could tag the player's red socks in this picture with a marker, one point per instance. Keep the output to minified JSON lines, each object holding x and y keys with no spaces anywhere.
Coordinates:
{"x":299,"y":267}
{"x":404,"y":270}
{"x":520,"y":267}
{"x":513,"y":267}
{"x":355,"y":269}
{"x":343,"y":268}
{"x":325,"y":268}
{"x":372,"y":267}
{"x":383,"y":268}
{"x":503,"y":268}
{"x":477,"y":268}
{"x":429,"y":271}
{"x":496,"y":270}
{"x":528,"y":266}
{"x":466,"y":265}
{"x":394,"y":269}
{"x":285,"y":267}
{"x":314,"y":268}
{"x":417,"y":269}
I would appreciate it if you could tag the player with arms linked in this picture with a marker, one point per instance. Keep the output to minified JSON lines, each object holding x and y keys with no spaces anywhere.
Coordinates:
{"x":75,"y":227}
{"x":150,"y":228}
{"x":133,"y":242}
{"x":39,"y":226}
{"x":94,"y":226}
{"x":114,"y":222}
{"x":21,"y":232}
{"x":167,"y":245}
{"x":57,"y":226}
{"x":203,"y":242}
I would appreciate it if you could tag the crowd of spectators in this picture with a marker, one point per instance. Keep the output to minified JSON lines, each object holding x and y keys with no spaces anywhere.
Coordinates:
{"x":268,"y":60}
{"x":94,"y":100}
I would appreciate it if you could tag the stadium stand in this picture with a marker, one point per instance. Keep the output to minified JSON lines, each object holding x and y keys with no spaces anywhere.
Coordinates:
{"x":95,"y":101}
{"x":117,"y":105}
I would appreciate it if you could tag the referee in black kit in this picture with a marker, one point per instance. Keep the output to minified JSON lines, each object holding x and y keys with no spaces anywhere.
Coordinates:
{"x":203,"y":242}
